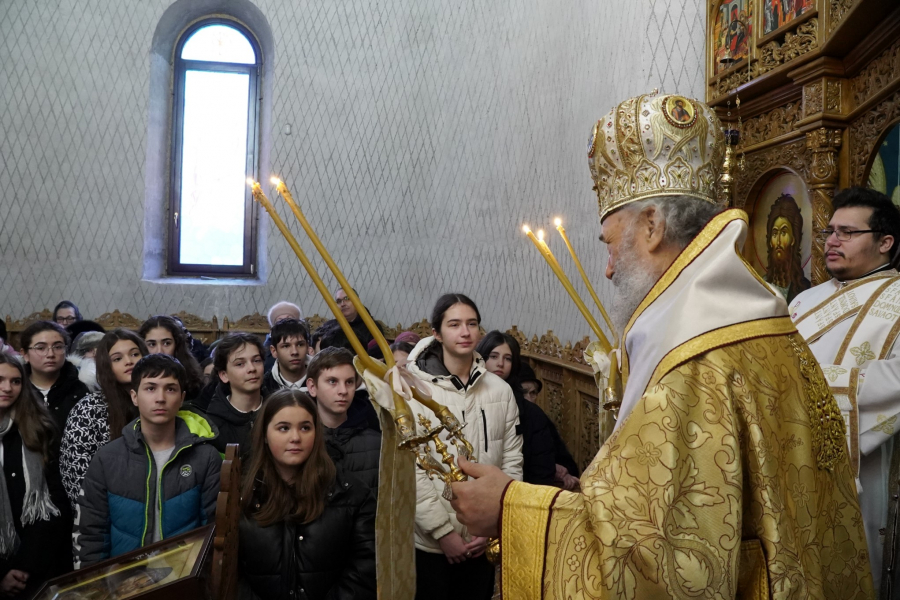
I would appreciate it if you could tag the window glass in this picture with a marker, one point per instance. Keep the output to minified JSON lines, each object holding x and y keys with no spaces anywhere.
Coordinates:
{"x":214,"y":163}
{"x":219,"y":43}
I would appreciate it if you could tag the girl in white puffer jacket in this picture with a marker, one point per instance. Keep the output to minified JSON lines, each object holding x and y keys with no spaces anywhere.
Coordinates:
{"x":449,"y":562}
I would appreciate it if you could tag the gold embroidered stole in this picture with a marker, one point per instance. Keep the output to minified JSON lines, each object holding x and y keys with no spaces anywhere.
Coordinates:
{"x":843,"y":304}
{"x":871,"y":337}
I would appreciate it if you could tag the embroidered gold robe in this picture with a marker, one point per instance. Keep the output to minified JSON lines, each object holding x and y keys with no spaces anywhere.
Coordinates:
{"x":726,"y":477}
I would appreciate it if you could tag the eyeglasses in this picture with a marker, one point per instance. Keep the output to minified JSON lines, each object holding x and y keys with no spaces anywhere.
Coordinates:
{"x":45,"y":349}
{"x":344,"y":300}
{"x":65,"y":320}
{"x":843,"y":235}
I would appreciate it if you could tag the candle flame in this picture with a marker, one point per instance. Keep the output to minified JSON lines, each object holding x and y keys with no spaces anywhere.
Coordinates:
{"x":526,"y":229}
{"x":275,"y":181}
{"x":557,"y":221}
{"x":541,"y":234}
{"x":250,"y":181}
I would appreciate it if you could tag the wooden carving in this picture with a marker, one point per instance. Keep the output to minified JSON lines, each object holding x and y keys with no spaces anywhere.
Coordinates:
{"x":838,"y":9}
{"x":775,"y":123}
{"x":792,"y":155}
{"x":224,"y":579}
{"x":877,"y":75}
{"x":117,"y":319}
{"x":795,"y":44}
{"x":18,"y":326}
{"x":866,"y":131}
{"x":255,"y":323}
{"x":823,"y":178}
{"x":813,"y":99}
{"x":314,"y":322}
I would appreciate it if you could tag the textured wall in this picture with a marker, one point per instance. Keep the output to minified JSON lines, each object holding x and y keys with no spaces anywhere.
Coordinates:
{"x":423,"y":135}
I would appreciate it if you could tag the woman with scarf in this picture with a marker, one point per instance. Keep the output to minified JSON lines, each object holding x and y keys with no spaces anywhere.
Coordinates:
{"x":35,"y":521}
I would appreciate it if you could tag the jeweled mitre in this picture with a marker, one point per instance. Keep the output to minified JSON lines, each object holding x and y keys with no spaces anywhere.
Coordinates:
{"x":656,"y":145}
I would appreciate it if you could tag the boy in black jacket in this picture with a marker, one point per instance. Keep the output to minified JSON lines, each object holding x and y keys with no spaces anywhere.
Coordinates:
{"x":159,"y":479}
{"x":351,"y":444}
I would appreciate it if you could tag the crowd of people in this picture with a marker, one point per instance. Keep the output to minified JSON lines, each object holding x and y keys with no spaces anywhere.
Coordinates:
{"x":112,"y":440}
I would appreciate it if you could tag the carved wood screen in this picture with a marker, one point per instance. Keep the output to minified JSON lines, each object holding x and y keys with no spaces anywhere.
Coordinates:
{"x":814,"y":95}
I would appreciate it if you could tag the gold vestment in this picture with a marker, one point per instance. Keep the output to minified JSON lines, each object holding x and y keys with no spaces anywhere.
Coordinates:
{"x":729,"y":476}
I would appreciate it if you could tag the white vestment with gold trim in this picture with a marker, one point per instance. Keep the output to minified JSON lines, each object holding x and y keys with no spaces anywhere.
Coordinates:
{"x":852,"y":329}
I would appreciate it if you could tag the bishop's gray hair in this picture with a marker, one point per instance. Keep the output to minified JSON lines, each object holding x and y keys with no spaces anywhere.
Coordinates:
{"x":684,"y":216}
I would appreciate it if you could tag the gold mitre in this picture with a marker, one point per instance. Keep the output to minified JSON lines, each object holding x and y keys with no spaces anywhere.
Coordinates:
{"x":656,"y":145}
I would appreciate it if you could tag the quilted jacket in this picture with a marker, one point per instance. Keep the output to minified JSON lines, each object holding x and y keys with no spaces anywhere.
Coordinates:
{"x":116,"y":506}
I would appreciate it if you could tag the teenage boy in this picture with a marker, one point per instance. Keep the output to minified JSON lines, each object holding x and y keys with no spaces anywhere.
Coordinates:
{"x":238,"y":364}
{"x":351,"y":444}
{"x":156,"y":481}
{"x":289,"y":346}
{"x":44,"y":346}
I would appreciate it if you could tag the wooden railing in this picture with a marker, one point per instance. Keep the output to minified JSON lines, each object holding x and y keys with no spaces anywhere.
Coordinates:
{"x":569,"y":395}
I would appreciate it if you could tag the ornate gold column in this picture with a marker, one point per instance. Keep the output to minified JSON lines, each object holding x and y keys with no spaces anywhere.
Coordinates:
{"x":823,"y":143}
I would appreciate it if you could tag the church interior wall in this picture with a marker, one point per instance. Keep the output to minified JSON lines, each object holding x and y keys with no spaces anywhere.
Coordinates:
{"x":422,"y":136}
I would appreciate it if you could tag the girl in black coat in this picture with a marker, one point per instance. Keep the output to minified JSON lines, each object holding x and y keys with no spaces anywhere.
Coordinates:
{"x":35,"y":522}
{"x":308,"y":530}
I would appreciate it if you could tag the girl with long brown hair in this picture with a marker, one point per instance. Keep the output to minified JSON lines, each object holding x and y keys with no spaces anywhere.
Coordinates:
{"x":164,"y":335}
{"x":308,"y":528}
{"x":35,"y":522}
{"x":99,"y":417}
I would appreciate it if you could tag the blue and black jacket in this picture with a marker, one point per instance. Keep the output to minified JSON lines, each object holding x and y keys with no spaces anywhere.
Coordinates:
{"x":121,"y":490}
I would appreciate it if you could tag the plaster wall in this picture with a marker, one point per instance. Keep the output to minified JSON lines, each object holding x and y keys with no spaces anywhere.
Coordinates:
{"x":423,"y":134}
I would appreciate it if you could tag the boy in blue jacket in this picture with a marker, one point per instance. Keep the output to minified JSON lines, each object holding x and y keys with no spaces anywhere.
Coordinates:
{"x":159,"y":479}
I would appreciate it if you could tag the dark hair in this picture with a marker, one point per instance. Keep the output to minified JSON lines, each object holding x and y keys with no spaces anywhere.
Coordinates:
{"x":33,"y":420}
{"x":193,"y":372}
{"x":885,"y":217}
{"x":3,"y":333}
{"x":444,"y":303}
{"x":232,"y":343}
{"x":526,"y":374}
{"x":498,"y":338}
{"x":120,"y":408}
{"x":67,"y":304}
{"x":158,"y":365}
{"x":402,"y":347}
{"x":302,"y":500}
{"x":328,"y":358}
{"x":288,"y":328}
{"x":330,"y":335}
{"x":39,"y":327}
{"x":79,"y":327}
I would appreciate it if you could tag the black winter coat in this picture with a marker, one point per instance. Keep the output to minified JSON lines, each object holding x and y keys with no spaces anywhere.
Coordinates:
{"x":356,"y":450}
{"x":46,"y":546}
{"x":331,"y":558}
{"x":234,"y":426}
{"x":64,"y":395}
{"x":538,"y":444}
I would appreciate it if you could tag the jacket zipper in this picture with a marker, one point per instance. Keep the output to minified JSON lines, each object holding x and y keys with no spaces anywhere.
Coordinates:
{"x":147,"y":494}
{"x":159,"y":488}
{"x":484,"y":420}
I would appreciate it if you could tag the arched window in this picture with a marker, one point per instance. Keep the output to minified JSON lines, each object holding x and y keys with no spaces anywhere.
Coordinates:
{"x":212,"y":224}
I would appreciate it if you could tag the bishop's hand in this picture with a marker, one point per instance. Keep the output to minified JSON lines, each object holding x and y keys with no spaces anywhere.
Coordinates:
{"x":478,"y":501}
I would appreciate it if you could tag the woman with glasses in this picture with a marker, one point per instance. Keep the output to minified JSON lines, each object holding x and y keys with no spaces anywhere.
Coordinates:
{"x":99,"y":417}
{"x":44,"y":350}
{"x":65,"y":313}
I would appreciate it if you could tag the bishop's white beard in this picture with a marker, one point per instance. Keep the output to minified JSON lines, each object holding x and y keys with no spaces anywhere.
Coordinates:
{"x":633,"y":279}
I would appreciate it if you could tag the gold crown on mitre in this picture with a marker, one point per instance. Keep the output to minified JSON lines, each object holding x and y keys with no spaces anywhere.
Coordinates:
{"x":656,"y":145}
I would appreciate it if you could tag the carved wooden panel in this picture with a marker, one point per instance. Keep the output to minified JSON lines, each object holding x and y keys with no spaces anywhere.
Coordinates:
{"x":775,"y":123}
{"x":116,"y":319}
{"x":792,"y":155}
{"x":224,"y":578}
{"x":877,"y":75}
{"x":205,"y":331}
{"x":255,"y":323}
{"x":866,"y":131}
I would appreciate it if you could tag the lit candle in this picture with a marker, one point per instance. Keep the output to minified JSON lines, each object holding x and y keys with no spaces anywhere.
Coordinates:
{"x":567,"y":285}
{"x":584,"y":277}
{"x":364,"y":357}
{"x":442,"y":412}
{"x":345,"y":285}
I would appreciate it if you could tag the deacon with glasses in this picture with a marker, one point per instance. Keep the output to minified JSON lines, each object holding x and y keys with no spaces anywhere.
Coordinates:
{"x":851,"y":324}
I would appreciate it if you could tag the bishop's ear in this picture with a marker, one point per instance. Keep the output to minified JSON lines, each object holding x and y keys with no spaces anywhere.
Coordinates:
{"x":652,"y":227}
